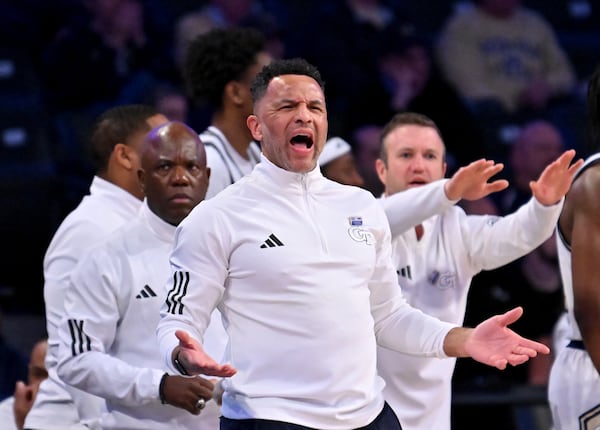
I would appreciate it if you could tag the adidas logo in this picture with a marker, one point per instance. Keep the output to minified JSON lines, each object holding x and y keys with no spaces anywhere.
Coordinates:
{"x":405,"y":272}
{"x":146,"y":292}
{"x":272,"y":242}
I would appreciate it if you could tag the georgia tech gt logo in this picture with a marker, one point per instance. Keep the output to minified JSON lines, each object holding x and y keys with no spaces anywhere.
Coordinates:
{"x":359,"y":234}
{"x":443,"y":281}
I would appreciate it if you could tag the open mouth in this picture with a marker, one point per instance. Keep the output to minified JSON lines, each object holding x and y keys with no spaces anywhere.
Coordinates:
{"x":302,"y":139}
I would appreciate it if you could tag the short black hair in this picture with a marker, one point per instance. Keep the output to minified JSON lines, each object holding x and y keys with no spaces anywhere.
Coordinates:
{"x":293,"y":66}
{"x":218,"y":57}
{"x":117,"y":125}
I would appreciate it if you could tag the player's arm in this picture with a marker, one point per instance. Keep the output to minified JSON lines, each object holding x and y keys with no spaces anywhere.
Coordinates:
{"x":471,"y":182}
{"x":583,"y":204}
{"x":494,"y":242}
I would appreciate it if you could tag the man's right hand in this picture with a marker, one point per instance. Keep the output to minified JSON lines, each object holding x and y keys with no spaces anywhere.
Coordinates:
{"x":185,"y":391}
{"x":471,"y":182}
{"x":192,"y":357}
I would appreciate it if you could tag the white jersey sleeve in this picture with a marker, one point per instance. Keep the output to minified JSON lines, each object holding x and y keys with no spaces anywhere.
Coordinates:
{"x":88,"y":331}
{"x":187,"y":254}
{"x":398,"y":325}
{"x":408,"y":208}
{"x":495,"y":241}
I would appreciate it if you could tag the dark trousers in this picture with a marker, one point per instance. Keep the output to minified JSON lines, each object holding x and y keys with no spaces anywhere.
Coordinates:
{"x":386,"y":420}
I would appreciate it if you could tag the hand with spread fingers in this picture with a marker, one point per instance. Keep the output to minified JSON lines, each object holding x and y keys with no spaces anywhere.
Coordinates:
{"x":470,"y":182}
{"x":494,"y":344}
{"x":194,"y":361}
{"x":189,"y":393}
{"x":555,"y":180}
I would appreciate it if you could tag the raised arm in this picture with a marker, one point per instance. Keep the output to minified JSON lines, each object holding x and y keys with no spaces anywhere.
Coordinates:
{"x":408,"y":208}
{"x":555,"y":180}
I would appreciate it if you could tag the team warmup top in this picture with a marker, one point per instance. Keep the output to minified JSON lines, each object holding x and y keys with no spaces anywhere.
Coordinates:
{"x":435,"y":273}
{"x":58,"y":406}
{"x":108,"y":342}
{"x":300,"y":268}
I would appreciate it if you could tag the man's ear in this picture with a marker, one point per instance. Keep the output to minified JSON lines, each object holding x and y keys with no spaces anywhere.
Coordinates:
{"x":255,"y":127}
{"x":123,"y":155}
{"x":233,"y":91}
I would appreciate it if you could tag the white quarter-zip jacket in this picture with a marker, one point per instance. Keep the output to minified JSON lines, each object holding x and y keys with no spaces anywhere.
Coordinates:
{"x":435,"y":273}
{"x":300,"y":268}
{"x":108,"y":346}
{"x":107,"y":207}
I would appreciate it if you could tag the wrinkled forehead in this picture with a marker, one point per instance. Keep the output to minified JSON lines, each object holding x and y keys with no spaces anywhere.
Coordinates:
{"x":295,"y":88}
{"x":415,"y":137}
{"x":182,"y":148}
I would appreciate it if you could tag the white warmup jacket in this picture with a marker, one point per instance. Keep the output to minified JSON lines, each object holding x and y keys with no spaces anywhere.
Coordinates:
{"x":574,"y":386}
{"x":435,"y":273}
{"x":7,"y":414}
{"x":300,"y":268}
{"x":226,"y":164}
{"x":108,"y":343}
{"x":108,"y":206}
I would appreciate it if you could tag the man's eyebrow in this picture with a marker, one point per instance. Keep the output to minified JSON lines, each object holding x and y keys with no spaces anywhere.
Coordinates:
{"x":288,"y":101}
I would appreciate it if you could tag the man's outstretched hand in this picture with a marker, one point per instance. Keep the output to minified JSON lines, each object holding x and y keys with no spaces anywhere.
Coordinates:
{"x":195,"y":361}
{"x":493,"y":343}
{"x":555,"y":180}
{"x":471,"y":181}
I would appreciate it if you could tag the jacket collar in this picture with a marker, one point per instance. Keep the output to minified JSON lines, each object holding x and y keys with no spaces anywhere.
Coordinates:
{"x":290,"y":181}
{"x":163,"y":230}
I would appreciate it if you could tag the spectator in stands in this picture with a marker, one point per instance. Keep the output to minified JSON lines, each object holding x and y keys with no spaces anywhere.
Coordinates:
{"x":351,"y":29}
{"x":169,"y":100}
{"x":407,"y":80}
{"x":506,"y":62}
{"x":214,"y":14}
{"x":537,"y":144}
{"x":366,"y":149}
{"x":117,"y":54}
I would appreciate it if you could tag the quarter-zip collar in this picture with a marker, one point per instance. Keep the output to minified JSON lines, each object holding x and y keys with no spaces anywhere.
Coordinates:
{"x":161,"y":229}
{"x":290,"y":181}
